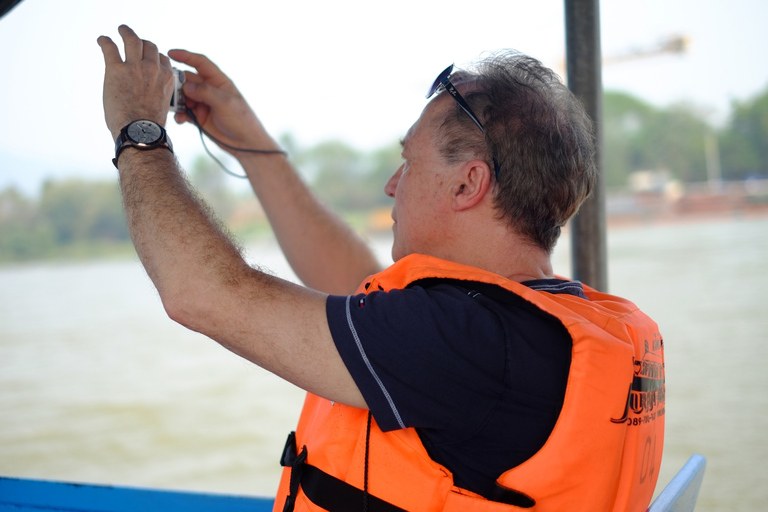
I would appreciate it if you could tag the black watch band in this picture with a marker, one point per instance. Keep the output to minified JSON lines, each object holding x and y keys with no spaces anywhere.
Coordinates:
{"x":142,"y":134}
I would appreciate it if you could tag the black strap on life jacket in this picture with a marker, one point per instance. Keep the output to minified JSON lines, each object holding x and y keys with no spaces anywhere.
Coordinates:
{"x":334,"y":495}
{"x":327,"y":491}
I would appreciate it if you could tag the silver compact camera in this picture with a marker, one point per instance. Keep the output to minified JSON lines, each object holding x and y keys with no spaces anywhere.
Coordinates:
{"x":177,"y":100}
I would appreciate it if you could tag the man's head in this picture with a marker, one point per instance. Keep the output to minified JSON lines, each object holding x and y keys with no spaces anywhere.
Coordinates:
{"x":538,"y":133}
{"x":422,"y":190}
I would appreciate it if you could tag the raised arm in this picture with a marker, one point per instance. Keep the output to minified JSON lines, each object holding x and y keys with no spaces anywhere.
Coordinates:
{"x":324,"y":251}
{"x":202,"y":279}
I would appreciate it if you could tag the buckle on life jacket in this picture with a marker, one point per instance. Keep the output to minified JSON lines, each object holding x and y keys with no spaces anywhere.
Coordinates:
{"x":324,"y":490}
{"x":296,"y":462}
{"x":289,"y":455}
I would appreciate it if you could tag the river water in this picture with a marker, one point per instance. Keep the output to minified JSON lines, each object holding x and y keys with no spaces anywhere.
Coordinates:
{"x":97,"y":385}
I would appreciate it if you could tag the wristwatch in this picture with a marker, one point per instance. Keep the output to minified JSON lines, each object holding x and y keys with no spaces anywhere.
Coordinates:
{"x":142,"y":134}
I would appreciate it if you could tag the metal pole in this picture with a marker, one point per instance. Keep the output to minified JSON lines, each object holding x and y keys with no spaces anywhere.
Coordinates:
{"x":584,"y":72}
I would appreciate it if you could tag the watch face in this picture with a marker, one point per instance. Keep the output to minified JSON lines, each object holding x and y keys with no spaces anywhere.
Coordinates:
{"x":144,"y":132}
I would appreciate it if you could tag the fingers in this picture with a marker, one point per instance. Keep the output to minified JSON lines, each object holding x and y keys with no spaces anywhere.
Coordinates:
{"x":205,"y":93}
{"x":149,"y":49}
{"x":205,"y":68}
{"x":165,"y":61}
{"x":137,"y":49}
{"x":110,"y":51}
{"x":134,"y":47}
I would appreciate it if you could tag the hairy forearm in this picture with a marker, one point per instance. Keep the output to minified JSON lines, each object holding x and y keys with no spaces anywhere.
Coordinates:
{"x":180,"y":245}
{"x":206,"y":285}
{"x":322,"y":249}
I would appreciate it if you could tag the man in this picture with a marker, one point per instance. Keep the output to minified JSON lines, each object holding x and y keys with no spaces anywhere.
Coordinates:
{"x":463,"y":377}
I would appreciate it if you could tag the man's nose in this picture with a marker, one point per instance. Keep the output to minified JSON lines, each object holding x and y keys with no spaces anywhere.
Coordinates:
{"x":391,"y":185}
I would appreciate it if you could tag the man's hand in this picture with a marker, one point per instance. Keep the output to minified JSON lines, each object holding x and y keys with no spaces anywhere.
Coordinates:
{"x":139,"y":87}
{"x":219,"y":107}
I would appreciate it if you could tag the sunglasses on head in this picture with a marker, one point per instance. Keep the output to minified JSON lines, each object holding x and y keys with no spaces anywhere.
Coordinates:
{"x":443,"y":81}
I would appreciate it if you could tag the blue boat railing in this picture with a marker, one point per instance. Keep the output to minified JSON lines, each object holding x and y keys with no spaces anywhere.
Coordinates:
{"x":25,"y":495}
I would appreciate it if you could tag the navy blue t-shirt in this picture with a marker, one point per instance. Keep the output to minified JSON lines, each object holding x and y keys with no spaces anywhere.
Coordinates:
{"x":478,"y":371}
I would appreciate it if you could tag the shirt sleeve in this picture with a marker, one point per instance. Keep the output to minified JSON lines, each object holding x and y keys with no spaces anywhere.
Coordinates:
{"x":422,"y":357}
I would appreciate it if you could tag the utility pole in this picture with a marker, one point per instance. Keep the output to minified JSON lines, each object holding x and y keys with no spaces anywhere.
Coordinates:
{"x":589,"y":258}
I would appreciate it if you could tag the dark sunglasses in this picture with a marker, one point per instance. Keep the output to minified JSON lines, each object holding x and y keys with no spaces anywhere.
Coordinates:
{"x":443,"y":81}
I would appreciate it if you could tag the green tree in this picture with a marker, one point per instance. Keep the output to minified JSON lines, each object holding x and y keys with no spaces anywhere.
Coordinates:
{"x":338,"y":171}
{"x":64,"y":205}
{"x":638,"y":136}
{"x":625,"y":120}
{"x":23,"y":233}
{"x":80,"y":210}
{"x":675,"y":140}
{"x":744,"y":141}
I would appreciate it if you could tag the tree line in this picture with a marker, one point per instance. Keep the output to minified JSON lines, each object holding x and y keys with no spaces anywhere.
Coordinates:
{"x":67,"y":215}
{"x":637,"y":136}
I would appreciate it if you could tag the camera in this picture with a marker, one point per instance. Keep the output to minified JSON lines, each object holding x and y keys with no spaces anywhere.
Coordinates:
{"x":177,"y":100}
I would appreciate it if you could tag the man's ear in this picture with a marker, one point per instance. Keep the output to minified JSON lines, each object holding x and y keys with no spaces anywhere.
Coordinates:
{"x":473,"y":182}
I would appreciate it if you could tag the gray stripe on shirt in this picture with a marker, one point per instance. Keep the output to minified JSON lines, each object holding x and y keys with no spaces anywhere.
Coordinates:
{"x":370,"y":368}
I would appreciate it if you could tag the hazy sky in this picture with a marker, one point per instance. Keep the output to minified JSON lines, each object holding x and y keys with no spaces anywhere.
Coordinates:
{"x":339,"y":69}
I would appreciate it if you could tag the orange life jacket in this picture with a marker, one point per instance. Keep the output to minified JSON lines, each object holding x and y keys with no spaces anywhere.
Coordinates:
{"x":602,"y":455}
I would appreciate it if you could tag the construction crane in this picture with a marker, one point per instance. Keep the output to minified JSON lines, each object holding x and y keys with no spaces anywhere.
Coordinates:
{"x":673,"y":44}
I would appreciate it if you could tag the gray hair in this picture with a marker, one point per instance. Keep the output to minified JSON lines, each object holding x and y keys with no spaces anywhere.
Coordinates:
{"x":538,"y":132}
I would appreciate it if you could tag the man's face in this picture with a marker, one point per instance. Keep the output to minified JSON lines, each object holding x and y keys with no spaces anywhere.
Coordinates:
{"x":420,"y":188}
